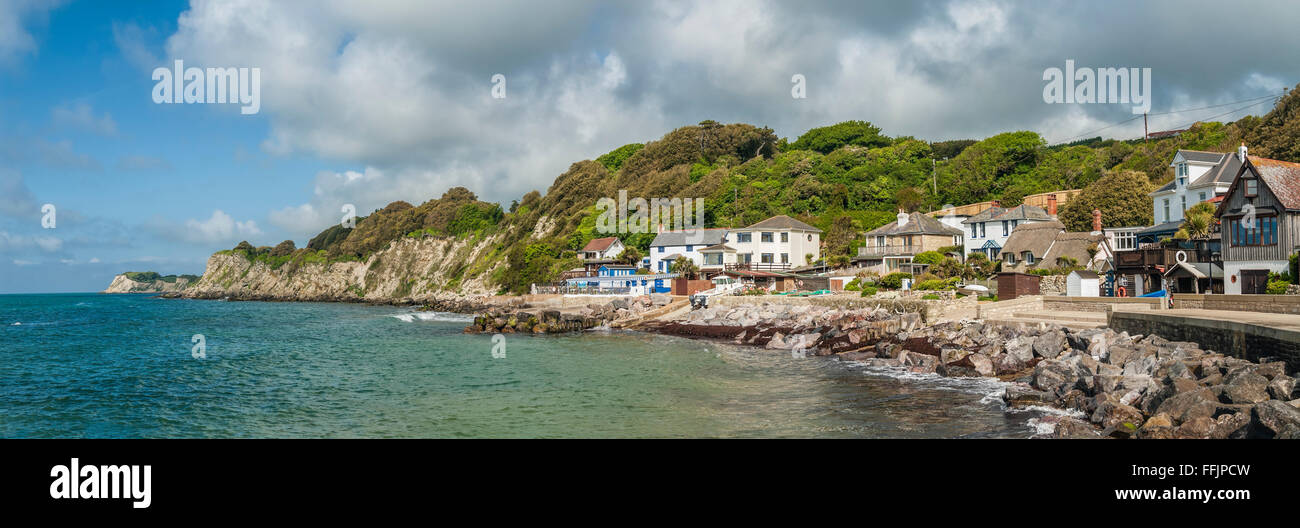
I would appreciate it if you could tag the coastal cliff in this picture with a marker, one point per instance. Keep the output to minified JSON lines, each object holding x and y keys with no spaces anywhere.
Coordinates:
{"x":149,"y":282}
{"x":410,"y":270}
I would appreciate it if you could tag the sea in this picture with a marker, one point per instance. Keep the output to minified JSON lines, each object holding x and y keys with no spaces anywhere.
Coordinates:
{"x":137,"y":366}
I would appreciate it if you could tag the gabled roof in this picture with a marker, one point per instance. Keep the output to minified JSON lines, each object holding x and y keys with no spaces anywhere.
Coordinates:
{"x":783,"y":222}
{"x":1167,"y":227}
{"x":718,"y":247}
{"x":1225,"y":169}
{"x":1035,"y":238}
{"x":692,"y":237}
{"x":1024,"y":212}
{"x":600,"y":244}
{"x":1282,"y":178}
{"x":917,"y":224}
{"x":984,"y":216}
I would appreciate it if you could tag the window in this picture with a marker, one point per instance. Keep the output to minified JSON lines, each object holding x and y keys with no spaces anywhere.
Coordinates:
{"x":1202,"y":197}
{"x":1252,"y":187}
{"x":982,"y":232}
{"x":880,"y":241}
{"x":785,"y":258}
{"x":766,"y":236}
{"x":745,"y":258}
{"x":744,"y":237}
{"x":785,"y":237}
{"x":1029,"y":257}
{"x":1167,"y":210}
{"x":1125,"y":240}
{"x":1262,"y":233}
{"x":1182,"y":171}
{"x":766,"y":258}
{"x":974,"y":231}
{"x":688,"y":247}
{"x":661,"y":249}
{"x":1010,"y":258}
{"x":1005,"y":230}
{"x":956,"y":240}
{"x":1184,"y":197}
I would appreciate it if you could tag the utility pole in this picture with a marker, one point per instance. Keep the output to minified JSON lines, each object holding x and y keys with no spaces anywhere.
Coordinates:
{"x":1145,"y":133}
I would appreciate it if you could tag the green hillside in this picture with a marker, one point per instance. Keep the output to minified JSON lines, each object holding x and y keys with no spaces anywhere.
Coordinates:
{"x":844,"y":178}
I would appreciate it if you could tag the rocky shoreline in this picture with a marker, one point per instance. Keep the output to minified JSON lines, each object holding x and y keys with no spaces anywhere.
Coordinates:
{"x":1121,"y":386}
{"x":526,"y":319}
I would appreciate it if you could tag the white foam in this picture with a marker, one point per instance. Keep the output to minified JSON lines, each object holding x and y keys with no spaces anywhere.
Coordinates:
{"x":992,"y":388}
{"x":446,"y":317}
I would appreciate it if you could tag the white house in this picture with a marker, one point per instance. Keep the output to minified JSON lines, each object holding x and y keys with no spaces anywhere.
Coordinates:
{"x":607,"y":248}
{"x":1198,"y":176}
{"x":668,"y":245}
{"x":779,"y":242}
{"x":988,"y":231}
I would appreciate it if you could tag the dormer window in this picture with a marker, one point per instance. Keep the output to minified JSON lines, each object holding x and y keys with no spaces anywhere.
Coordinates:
{"x":1182,"y":170}
{"x":1011,"y":257}
{"x":1029,"y":257}
{"x":1252,"y":187}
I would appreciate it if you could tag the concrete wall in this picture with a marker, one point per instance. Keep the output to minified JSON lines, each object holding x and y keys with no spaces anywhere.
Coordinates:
{"x":1283,"y":304}
{"x":1099,"y":304}
{"x":1243,"y":340}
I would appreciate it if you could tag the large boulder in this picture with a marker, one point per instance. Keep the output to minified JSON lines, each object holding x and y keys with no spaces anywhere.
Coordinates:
{"x":1282,"y":387}
{"x":1187,"y":406}
{"x":1201,"y":427}
{"x":1113,"y":415}
{"x":1068,"y":427}
{"x":1007,"y":363}
{"x":1246,"y":388}
{"x":1158,"y":426}
{"x":1275,"y":416}
{"x":1050,"y":344}
{"x":1054,"y":376}
{"x":1231,"y":426}
{"x":1021,"y":348}
{"x":1023,"y":394}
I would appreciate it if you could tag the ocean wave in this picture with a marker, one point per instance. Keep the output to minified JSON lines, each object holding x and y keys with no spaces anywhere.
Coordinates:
{"x":445,"y":317}
{"x":992,"y":389}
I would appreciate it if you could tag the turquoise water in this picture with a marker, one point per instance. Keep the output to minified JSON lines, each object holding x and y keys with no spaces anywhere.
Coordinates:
{"x":109,"y":366}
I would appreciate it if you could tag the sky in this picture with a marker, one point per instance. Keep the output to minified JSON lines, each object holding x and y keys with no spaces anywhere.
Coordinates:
{"x":365,"y":103}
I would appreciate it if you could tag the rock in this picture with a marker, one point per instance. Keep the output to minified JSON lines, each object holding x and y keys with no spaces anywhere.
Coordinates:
{"x":1068,"y":427}
{"x":1187,"y":406}
{"x":659,"y":299}
{"x":1274,"y":415}
{"x":1201,"y":427}
{"x":1049,"y":345}
{"x":952,"y":355}
{"x":921,"y":363}
{"x":1023,"y":394}
{"x":1113,"y":415}
{"x":1246,"y":387}
{"x":777,"y":341}
{"x":1007,"y":363}
{"x":1079,"y":401}
{"x":1158,"y":426}
{"x":1021,"y":348}
{"x":1231,"y":426}
{"x":1054,"y":376}
{"x":973,"y":365}
{"x":856,"y":356}
{"x":1271,"y":369}
{"x":1282,"y":387}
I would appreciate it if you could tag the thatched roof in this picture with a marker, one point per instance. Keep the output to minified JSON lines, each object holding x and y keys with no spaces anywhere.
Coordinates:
{"x":1036,"y":238}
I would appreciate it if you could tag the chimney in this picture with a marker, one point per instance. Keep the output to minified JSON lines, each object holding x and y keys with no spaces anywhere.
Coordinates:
{"x":997,"y":203}
{"x":1096,"y":220}
{"x":1051,"y":204}
{"x":902,"y":218}
{"x":1241,"y":152}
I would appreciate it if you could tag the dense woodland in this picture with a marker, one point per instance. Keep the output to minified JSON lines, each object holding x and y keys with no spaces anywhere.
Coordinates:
{"x":845,"y":179}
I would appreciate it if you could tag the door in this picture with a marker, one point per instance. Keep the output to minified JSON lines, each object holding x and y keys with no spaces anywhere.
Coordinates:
{"x":1254,"y":281}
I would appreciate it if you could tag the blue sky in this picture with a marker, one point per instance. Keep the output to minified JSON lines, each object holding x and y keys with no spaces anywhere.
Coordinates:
{"x":368,"y":102}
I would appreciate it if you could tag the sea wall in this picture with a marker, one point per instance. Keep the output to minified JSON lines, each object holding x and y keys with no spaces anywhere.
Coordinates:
{"x":1246,"y":340}
{"x":1281,"y":304}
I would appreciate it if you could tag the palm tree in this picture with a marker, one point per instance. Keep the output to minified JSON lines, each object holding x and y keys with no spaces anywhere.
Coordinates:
{"x":1198,"y":220}
{"x":685,"y":267}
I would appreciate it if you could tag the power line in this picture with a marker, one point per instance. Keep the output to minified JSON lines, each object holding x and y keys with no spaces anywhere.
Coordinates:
{"x":1262,"y":100}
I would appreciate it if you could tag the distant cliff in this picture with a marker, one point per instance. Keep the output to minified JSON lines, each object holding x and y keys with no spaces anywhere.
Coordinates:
{"x":149,"y":282}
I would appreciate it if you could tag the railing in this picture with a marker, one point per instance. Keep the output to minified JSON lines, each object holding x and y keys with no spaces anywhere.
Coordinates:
{"x":581,"y":290}
{"x":882,"y":251}
{"x":757,"y":266}
{"x":1154,"y":257}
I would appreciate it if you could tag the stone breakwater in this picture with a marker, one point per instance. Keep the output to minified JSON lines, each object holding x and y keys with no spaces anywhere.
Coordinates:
{"x":524,"y":319}
{"x":1115,"y":384}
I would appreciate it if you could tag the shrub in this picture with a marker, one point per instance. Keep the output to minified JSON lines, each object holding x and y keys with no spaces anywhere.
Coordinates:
{"x":869,"y":291}
{"x":928,"y":257}
{"x":1277,"y":287}
{"x":853,"y":285}
{"x":894,"y":281}
{"x":937,"y":284}
{"x":929,"y":297}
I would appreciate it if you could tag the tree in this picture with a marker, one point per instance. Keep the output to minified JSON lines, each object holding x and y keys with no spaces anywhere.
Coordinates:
{"x":1198,"y":222}
{"x":630,"y":256}
{"x":829,"y":138}
{"x":684,"y":267}
{"x":979,"y":264}
{"x":840,"y":261}
{"x":928,"y":257}
{"x":839,"y":240}
{"x":910,"y":198}
{"x":283,"y":249}
{"x":1122,"y":197}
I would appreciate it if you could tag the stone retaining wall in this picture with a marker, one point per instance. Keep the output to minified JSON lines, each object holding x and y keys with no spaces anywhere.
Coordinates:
{"x":1283,"y":304}
{"x":1243,"y":340}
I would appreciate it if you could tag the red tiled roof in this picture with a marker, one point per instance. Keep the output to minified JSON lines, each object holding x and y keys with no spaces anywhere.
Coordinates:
{"x":600,"y":244}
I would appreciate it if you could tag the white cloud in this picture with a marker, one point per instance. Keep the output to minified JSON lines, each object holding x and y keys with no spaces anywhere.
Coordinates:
{"x":79,"y":115}
{"x":220,"y":228}
{"x":15,"y":39}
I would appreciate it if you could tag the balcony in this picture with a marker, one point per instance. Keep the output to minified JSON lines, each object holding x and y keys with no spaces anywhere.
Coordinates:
{"x":889,"y":251}
{"x":758,"y":266}
{"x":1152,"y":257}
